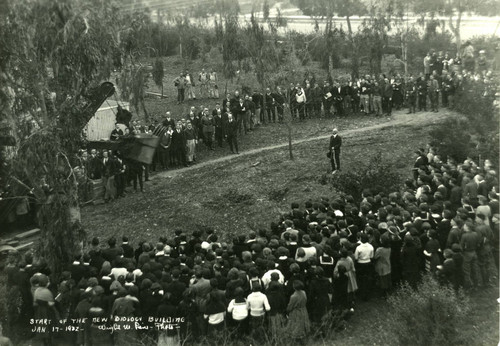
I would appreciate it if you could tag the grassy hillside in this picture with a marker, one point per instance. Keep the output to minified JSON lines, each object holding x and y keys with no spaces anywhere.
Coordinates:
{"x":246,"y":192}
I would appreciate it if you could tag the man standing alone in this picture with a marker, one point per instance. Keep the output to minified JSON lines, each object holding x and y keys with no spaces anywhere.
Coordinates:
{"x":232,"y":133}
{"x":335,"y":144}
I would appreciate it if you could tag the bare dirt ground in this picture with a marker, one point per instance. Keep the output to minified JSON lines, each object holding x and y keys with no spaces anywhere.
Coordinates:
{"x":397,"y":119}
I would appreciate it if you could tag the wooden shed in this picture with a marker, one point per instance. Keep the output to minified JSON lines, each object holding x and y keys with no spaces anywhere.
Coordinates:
{"x":103,"y":122}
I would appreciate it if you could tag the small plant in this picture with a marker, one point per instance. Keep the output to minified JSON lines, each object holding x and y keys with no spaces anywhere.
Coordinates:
{"x":378,"y":175}
{"x":430,"y":315}
{"x":236,"y":197}
{"x":278,"y":194}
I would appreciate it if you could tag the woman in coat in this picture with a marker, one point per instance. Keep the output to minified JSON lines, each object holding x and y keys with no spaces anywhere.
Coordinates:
{"x":348,"y":263}
{"x":278,"y":301}
{"x":382,"y":259}
{"x":410,"y":261}
{"x":319,"y":301}
{"x":298,"y":319}
{"x":208,"y":126}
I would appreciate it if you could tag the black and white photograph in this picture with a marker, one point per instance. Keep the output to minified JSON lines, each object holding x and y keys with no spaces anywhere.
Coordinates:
{"x":249,"y":172}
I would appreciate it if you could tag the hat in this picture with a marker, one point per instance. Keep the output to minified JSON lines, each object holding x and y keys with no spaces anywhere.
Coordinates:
{"x":338,"y":213}
{"x":382,"y":225}
{"x":156,"y":286}
{"x":456,"y":247}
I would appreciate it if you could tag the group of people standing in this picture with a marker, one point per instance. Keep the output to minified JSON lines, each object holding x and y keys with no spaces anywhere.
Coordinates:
{"x":320,"y":257}
{"x":186,"y":83}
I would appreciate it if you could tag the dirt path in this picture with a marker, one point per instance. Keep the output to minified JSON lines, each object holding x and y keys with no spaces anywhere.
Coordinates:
{"x":398,"y":119}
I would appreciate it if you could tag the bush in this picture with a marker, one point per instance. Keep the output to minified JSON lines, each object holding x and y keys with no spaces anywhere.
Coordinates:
{"x":452,"y":139}
{"x":475,"y":134}
{"x":378,"y":175}
{"x":430,"y":315}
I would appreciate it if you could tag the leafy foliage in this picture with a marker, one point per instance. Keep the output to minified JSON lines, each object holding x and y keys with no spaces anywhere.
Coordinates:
{"x":132,"y":84}
{"x":430,"y":315}
{"x":476,"y":134}
{"x":378,"y":175}
{"x":158,"y":73}
{"x":53,"y":55}
{"x":452,"y":139}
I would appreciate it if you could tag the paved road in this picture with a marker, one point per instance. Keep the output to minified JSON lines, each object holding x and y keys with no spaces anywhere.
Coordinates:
{"x":398,"y":119}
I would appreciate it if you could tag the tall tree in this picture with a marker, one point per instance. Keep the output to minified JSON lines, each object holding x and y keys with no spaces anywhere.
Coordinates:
{"x":454,"y":10}
{"x":53,"y":55}
{"x":343,"y":8}
{"x":158,"y":74}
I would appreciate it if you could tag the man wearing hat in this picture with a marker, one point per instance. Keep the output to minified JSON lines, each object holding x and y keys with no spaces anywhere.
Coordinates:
{"x":420,"y":161}
{"x":334,"y":151}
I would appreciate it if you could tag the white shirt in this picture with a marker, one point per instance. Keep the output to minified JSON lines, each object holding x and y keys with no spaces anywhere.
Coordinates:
{"x":266,"y":278}
{"x":239,"y":311}
{"x":216,"y":318}
{"x":363,"y":253}
{"x":310,"y":251}
{"x":117,"y":272}
{"x":300,"y":98}
{"x":258,"y":304}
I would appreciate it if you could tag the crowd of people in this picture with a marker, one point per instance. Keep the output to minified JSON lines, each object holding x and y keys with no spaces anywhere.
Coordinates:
{"x":321,"y":257}
{"x":443,"y":79}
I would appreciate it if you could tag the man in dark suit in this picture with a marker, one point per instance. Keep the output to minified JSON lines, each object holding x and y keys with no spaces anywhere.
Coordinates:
{"x":419,"y":162}
{"x":455,"y":194}
{"x":327,"y":98}
{"x":116,"y":133}
{"x":240,"y":111}
{"x":475,"y":188}
{"x":179,"y":146}
{"x":338,"y":99}
{"x":387,"y":97}
{"x":279,"y":98}
{"x":219,"y":124}
{"x":347,"y":92}
{"x":109,"y":170}
{"x":270,"y":106}
{"x":128,"y":251}
{"x":422,"y":93}
{"x":317,"y":95}
{"x":233,"y":104}
{"x":94,"y":165}
{"x":335,"y":144}
{"x":232,"y":133}
{"x":258,"y":99}
{"x":168,"y":120}
{"x":226,"y":103}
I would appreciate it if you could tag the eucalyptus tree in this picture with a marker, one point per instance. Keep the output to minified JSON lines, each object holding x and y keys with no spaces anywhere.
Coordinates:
{"x":53,"y":56}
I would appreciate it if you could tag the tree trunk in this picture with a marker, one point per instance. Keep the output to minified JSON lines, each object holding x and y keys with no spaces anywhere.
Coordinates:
{"x":161,"y":89}
{"x":58,"y":210}
{"x":355,"y":56}
{"x":146,"y":114}
{"x":289,"y":126}
{"x":404,"y":52}
{"x":330,"y":66}
{"x":456,"y":30}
